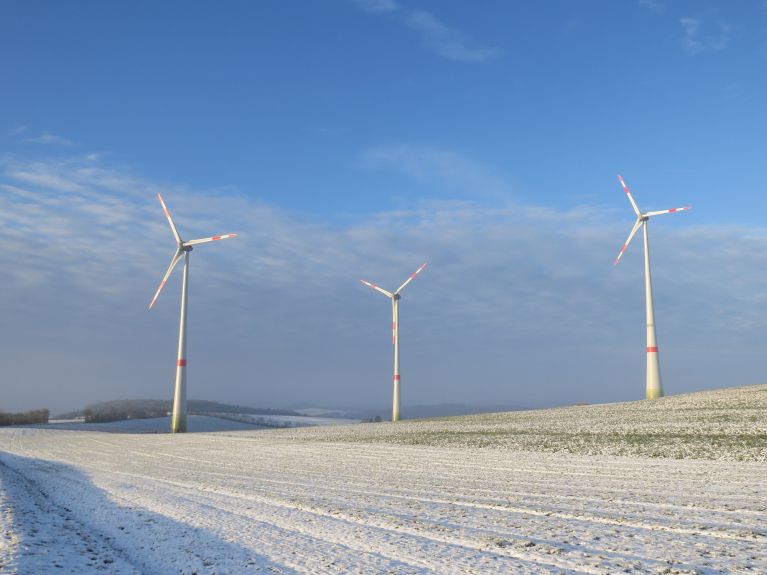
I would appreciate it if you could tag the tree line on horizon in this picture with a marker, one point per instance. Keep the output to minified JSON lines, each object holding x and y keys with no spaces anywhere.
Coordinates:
{"x":24,"y":418}
{"x":120,"y":409}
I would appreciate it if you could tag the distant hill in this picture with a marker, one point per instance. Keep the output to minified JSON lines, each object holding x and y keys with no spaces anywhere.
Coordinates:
{"x":27,"y":417}
{"x":142,"y":408}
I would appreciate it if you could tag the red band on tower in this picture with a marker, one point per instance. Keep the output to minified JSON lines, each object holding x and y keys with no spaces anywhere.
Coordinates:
{"x":652,"y":350}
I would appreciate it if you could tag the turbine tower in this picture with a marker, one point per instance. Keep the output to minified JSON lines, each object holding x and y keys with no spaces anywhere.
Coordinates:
{"x":395,"y":297}
{"x":654,"y":389}
{"x":178,"y":421}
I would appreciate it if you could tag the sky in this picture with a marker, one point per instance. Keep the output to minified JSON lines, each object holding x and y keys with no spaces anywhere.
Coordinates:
{"x":356,"y":139}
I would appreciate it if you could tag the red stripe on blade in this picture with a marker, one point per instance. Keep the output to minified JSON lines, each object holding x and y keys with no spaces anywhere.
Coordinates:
{"x":652,"y":350}
{"x":396,"y":378}
{"x":181,"y":363}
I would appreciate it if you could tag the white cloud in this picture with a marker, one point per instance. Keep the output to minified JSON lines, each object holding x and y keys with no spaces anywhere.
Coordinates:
{"x":701,"y":36}
{"x":653,"y":5}
{"x":437,"y":36}
{"x":48,"y":138}
{"x":519,"y":303}
{"x":445,"y":168}
{"x":377,"y":6}
{"x":445,"y":41}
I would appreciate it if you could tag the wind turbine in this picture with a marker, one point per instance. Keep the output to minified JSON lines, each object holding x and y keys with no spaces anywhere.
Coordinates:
{"x":178,"y":421}
{"x":654,"y":389}
{"x":395,"y":297}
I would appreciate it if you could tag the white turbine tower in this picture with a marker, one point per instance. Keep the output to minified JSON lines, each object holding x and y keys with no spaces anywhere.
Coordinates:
{"x":178,"y":422}
{"x":395,"y":297}
{"x":654,"y":389}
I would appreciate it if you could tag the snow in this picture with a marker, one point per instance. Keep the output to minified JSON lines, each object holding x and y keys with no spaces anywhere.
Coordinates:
{"x":382,"y":498}
{"x":728,"y":424}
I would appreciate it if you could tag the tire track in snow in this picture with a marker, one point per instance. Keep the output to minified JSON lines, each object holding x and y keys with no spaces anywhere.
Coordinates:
{"x":46,"y":537}
{"x":523,"y":511}
{"x":625,"y":518}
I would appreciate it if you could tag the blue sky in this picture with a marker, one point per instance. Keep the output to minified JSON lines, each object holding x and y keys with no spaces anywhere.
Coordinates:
{"x":353,"y":139}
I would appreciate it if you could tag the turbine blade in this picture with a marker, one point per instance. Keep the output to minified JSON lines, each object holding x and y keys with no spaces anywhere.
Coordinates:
{"x":408,"y":280}
{"x":671,"y":211}
{"x":375,"y":287}
{"x":179,"y":254}
{"x":211,"y":239}
{"x":628,"y":193}
{"x":170,"y":220}
{"x":634,"y":230}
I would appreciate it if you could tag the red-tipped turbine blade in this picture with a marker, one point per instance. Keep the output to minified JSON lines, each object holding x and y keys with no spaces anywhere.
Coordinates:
{"x":375,"y":287}
{"x":634,"y":230}
{"x":179,"y":254}
{"x":671,"y":211}
{"x":210,"y":239}
{"x":170,"y":220}
{"x":628,"y":193}
{"x":412,"y":276}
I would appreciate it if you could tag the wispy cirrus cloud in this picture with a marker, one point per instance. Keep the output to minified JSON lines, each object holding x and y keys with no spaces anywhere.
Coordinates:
{"x":25,"y":135}
{"x":377,"y":6}
{"x":522,"y":301}
{"x":48,"y":138}
{"x":450,"y":170}
{"x":436,"y":35}
{"x":702,"y":35}
{"x":446,"y":41}
{"x":653,"y":5}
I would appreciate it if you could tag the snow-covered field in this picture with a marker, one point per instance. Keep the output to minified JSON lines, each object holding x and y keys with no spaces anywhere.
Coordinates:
{"x":418,"y":497}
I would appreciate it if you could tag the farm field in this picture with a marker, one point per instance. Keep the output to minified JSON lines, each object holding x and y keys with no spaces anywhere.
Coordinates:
{"x":677,"y":485}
